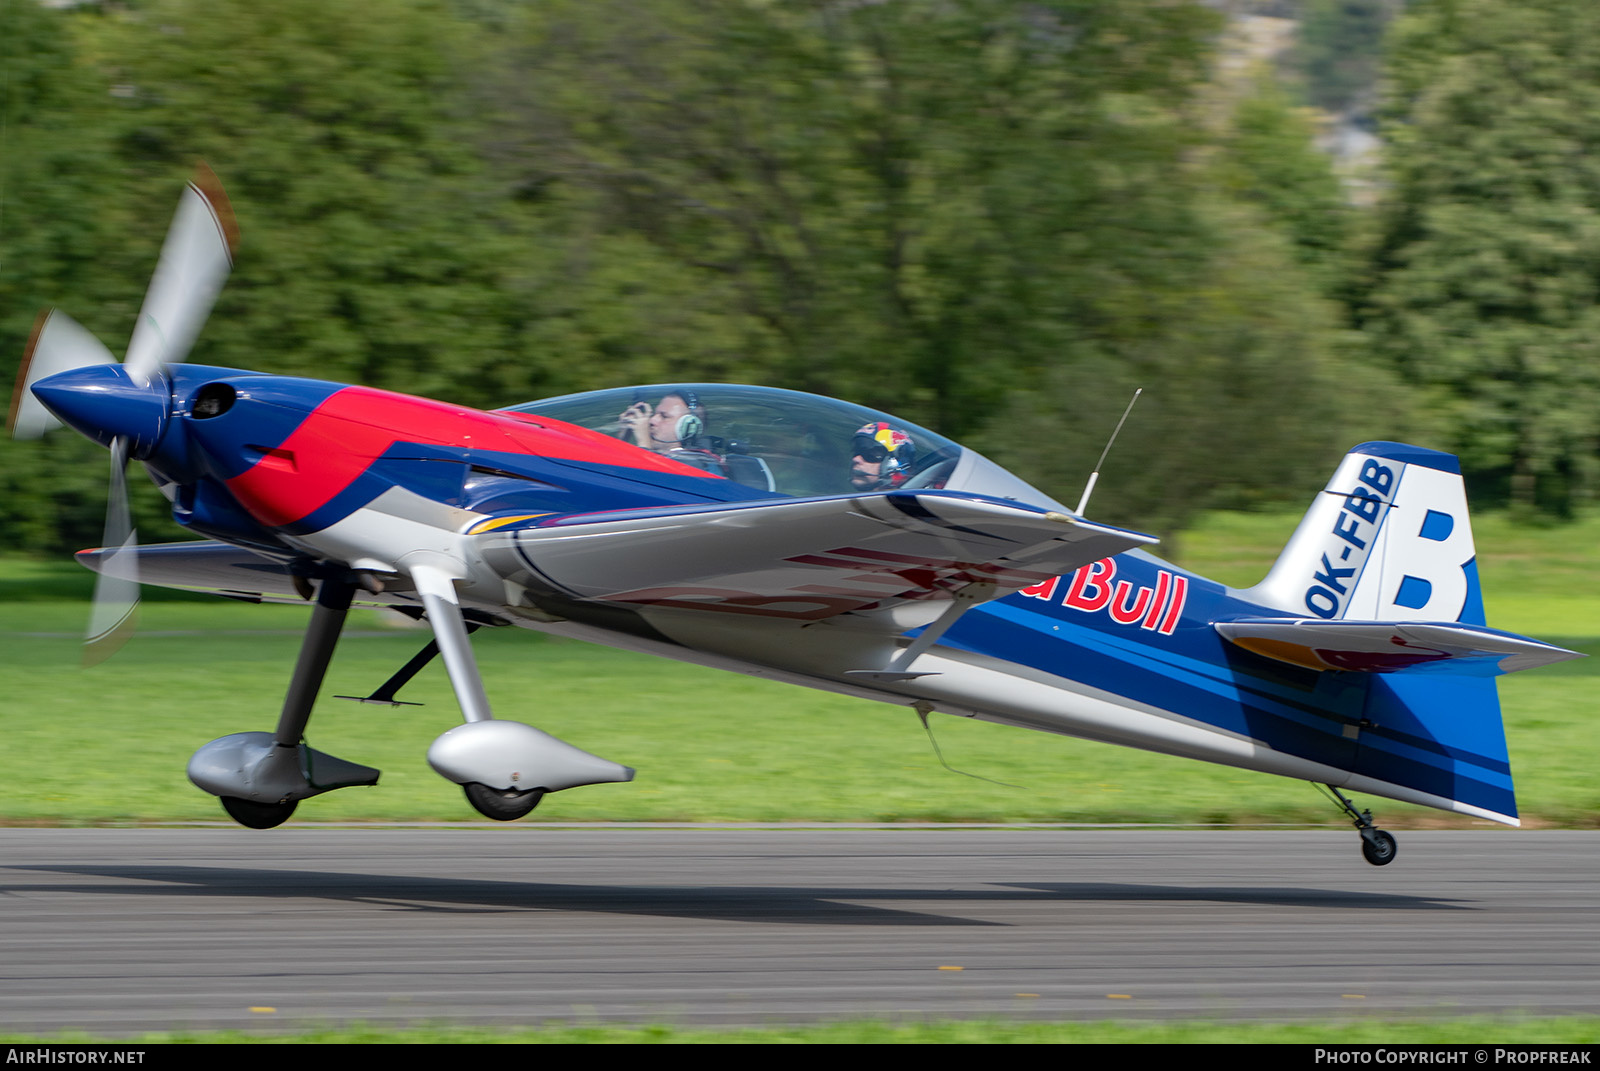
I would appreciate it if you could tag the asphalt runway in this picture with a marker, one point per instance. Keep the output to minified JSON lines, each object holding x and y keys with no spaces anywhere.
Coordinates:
{"x":119,"y":931}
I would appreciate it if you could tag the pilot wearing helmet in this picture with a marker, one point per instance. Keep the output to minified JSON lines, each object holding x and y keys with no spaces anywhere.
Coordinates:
{"x":881,"y":456}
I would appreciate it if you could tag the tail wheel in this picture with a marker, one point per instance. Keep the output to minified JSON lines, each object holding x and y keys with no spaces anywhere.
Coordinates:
{"x":501,"y":804}
{"x":1378,"y":847}
{"x":253,"y":815}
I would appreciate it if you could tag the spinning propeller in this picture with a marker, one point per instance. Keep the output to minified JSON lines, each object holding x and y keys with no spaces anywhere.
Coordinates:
{"x":68,"y":376}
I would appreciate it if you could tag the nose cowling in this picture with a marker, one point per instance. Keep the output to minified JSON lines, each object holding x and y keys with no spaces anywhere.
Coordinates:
{"x":104,"y":403}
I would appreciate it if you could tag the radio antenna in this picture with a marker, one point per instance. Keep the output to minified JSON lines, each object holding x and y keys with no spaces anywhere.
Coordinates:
{"x":1088,"y":488}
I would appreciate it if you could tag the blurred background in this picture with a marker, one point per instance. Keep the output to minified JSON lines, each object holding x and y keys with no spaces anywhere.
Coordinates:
{"x":1298,"y":224}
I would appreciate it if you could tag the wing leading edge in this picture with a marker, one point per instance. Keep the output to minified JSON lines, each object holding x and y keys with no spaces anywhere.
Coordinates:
{"x":811,"y":559}
{"x":799,"y":560}
{"x":216,"y":568}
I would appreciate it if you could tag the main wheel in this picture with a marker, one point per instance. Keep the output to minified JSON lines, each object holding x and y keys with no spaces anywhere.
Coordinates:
{"x":253,"y":815}
{"x":501,"y":804}
{"x":1378,"y":847}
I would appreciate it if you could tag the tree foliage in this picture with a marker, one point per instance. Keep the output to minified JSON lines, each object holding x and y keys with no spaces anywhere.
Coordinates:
{"x":1271,"y":162}
{"x":995,"y":218}
{"x":55,"y":174}
{"x":1485,"y":278}
{"x":371,"y":249}
{"x":1338,"y":50}
{"x":984,"y":215}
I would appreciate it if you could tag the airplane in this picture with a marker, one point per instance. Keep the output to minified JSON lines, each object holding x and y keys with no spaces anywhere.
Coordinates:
{"x":773,"y":533}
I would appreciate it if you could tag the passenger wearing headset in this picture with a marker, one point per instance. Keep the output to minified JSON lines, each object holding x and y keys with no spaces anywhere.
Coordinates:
{"x":672,"y":429}
{"x":673,"y":424}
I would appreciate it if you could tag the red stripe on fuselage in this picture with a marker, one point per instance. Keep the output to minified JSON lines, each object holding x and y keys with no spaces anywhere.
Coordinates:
{"x":341,"y":438}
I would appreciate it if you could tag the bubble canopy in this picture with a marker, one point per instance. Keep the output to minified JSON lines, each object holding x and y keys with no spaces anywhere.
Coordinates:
{"x":785,"y":442}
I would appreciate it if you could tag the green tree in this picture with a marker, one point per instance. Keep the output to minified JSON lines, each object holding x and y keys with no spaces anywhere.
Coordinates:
{"x":55,"y":170}
{"x":1268,"y":159}
{"x":982,"y":215}
{"x":373,"y":243}
{"x":371,"y":247}
{"x":880,"y":187}
{"x":1338,"y":49}
{"x":994,"y":218}
{"x":1484,"y":282}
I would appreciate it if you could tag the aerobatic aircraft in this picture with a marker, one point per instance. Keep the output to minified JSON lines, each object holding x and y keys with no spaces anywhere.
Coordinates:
{"x":774,"y":533}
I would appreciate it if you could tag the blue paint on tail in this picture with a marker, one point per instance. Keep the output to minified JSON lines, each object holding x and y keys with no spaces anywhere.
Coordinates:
{"x":1436,"y":734}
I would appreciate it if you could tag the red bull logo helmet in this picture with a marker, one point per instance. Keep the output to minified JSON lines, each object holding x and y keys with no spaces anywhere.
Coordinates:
{"x":888,"y":447}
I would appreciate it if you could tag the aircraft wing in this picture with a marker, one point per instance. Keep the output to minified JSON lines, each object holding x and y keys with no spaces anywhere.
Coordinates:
{"x":797,"y":559}
{"x":214,"y":567}
{"x":810,"y":559}
{"x":1391,"y":646}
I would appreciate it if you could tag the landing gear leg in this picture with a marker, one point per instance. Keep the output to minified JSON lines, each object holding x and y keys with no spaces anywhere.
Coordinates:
{"x":1378,"y":847}
{"x":505,"y":767}
{"x":316,"y":651}
{"x":260,"y":776}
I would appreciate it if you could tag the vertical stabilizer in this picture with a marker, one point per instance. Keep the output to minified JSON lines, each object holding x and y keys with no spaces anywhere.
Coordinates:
{"x":1388,"y":539}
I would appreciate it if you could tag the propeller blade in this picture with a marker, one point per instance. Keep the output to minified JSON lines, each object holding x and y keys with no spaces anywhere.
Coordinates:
{"x":195,"y":261}
{"x":116,"y":589}
{"x":58,"y":344}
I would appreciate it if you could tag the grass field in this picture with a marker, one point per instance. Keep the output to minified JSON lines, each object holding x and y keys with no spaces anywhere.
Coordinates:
{"x":109,"y":745}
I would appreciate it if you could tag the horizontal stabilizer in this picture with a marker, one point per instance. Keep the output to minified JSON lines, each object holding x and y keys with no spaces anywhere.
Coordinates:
{"x":811,"y":559}
{"x":1391,"y":646}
